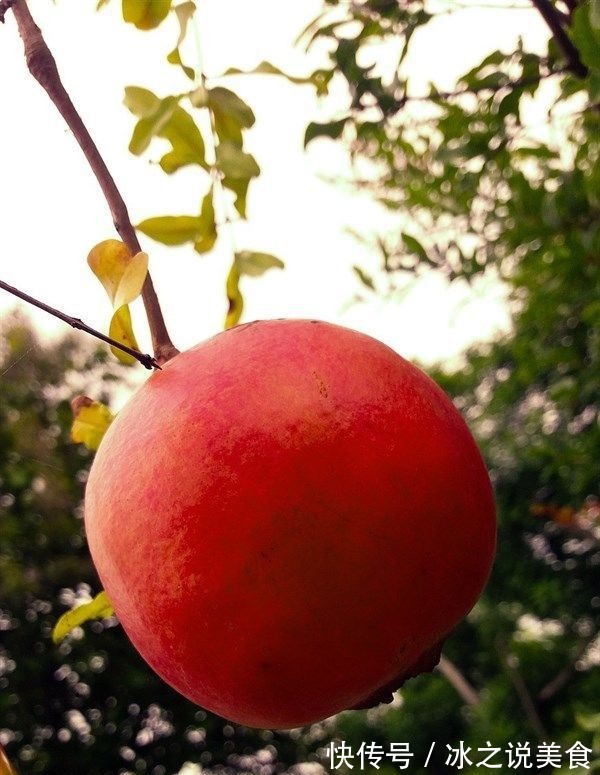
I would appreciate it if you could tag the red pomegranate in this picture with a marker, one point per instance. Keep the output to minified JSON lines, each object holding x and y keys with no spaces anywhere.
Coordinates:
{"x":289,"y":518}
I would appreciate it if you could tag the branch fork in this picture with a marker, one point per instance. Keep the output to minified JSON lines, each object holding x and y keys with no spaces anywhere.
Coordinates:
{"x":42,"y":66}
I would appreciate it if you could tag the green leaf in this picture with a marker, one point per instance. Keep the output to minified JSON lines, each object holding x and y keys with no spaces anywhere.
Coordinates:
{"x":590,"y":721}
{"x":152,"y":125}
{"x":207,"y":234}
{"x":239,"y":186}
{"x":141,"y":102}
{"x":228,"y":130}
{"x":333,"y":129}
{"x":98,"y":608}
{"x":179,"y":229}
{"x":90,"y":424}
{"x":252,"y":264}
{"x":235,"y":163}
{"x":186,"y":141}
{"x":537,"y":151}
{"x":414,"y":246}
{"x":595,"y":15}
{"x":365,"y":278}
{"x":473,"y":78}
{"x":206,"y":242}
{"x":255,"y":264}
{"x":225,"y":103}
{"x":593,"y":83}
{"x":166,"y":119}
{"x":230,"y":113}
{"x":266,"y":68}
{"x":586,"y":35}
{"x":184,"y":12}
{"x":320,"y":80}
{"x":145,"y":14}
{"x":510,"y":103}
{"x":174,"y":58}
{"x":171,"y":229}
{"x":234,"y":297}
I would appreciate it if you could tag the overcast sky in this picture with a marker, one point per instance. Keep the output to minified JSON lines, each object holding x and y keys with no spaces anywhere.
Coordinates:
{"x":53,"y":212}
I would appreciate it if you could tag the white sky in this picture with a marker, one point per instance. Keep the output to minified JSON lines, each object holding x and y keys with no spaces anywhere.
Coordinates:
{"x":53,"y":212}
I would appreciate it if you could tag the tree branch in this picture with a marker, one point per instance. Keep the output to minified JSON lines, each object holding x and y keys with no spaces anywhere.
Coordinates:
{"x":553,"y":19}
{"x":42,"y":66}
{"x":562,"y":678}
{"x":146,"y":360}
{"x":523,"y":693}
{"x":458,"y":681}
{"x":445,"y":95}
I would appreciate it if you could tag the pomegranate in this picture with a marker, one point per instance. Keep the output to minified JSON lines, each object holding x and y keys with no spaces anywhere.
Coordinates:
{"x":289,"y":518}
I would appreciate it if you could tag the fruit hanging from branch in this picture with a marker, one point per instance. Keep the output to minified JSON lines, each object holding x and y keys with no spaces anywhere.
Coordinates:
{"x":289,"y":518}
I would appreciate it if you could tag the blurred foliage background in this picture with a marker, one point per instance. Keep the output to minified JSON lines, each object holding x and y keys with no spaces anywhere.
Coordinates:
{"x":483,"y":193}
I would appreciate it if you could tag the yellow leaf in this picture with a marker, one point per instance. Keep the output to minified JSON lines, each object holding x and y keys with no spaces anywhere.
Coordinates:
{"x":121,"y":274}
{"x":132,"y":280}
{"x":90,"y":424}
{"x":108,"y":261}
{"x":184,"y":13}
{"x":98,"y":608}
{"x":234,"y":297}
{"x":145,"y":14}
{"x":121,"y":329}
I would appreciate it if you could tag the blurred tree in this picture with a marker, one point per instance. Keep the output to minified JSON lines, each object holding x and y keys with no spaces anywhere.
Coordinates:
{"x":487,"y":194}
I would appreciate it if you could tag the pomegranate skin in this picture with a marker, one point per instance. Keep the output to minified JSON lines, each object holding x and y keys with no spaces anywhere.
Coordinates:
{"x":286,"y":518}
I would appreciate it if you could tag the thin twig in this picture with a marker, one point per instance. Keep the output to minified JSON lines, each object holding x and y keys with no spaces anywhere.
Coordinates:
{"x":562,"y":678}
{"x":523,"y":693}
{"x":146,"y":360}
{"x":554,"y":20}
{"x":42,"y":66}
{"x":445,"y":95}
{"x":458,"y":681}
